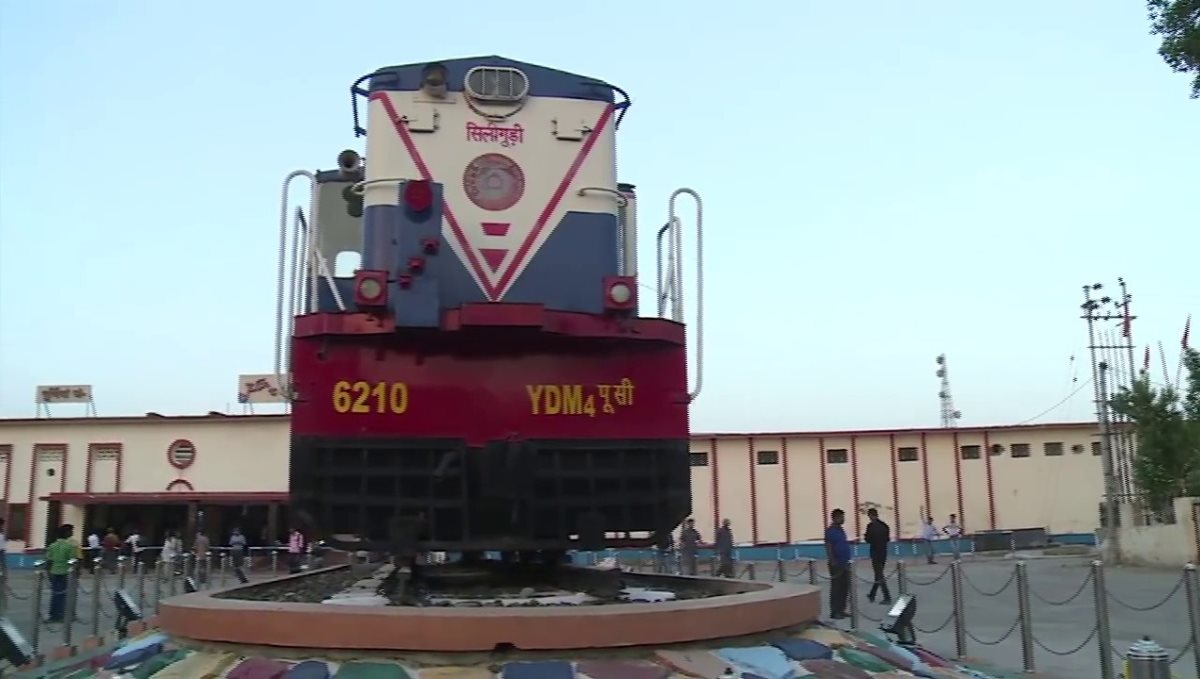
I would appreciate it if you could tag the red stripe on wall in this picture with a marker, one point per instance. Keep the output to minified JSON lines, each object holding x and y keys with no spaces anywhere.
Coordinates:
{"x":787,"y":493}
{"x":962,"y":520}
{"x":824,"y":482}
{"x":925,"y":476}
{"x":854,"y":480}
{"x":753,"y":489}
{"x":987,"y":465}
{"x":716,"y":484}
{"x":895,"y":485}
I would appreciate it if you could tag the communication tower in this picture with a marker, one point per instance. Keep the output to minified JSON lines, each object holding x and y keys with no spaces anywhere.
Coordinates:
{"x":950,"y":416}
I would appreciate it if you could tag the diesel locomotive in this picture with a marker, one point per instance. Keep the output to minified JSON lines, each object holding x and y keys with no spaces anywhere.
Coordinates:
{"x":458,"y":328}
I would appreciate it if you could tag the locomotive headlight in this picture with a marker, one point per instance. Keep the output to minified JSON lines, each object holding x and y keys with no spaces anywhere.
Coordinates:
{"x":370,"y":289}
{"x":620,"y":293}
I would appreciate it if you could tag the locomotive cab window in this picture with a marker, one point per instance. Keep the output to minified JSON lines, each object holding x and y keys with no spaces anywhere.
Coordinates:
{"x":496,"y":85}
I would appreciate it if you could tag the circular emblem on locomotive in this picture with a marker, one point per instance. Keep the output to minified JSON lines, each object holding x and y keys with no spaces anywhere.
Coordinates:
{"x":494,"y":182}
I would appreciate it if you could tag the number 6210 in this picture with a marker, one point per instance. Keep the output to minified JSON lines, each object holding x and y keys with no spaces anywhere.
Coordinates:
{"x":367,"y":397}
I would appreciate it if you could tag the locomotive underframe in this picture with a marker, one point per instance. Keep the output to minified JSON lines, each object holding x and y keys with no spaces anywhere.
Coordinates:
{"x":443,"y":495}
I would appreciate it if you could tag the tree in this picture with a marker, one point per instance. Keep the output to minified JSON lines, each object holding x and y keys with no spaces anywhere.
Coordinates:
{"x":1166,"y":425}
{"x":1178,"y":22}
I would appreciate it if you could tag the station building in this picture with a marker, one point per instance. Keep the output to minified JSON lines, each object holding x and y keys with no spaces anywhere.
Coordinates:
{"x":157,"y":472}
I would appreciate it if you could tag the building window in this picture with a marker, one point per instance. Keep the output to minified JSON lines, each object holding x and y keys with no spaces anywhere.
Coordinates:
{"x":699,"y":459}
{"x":996,"y":449}
{"x":1052,"y":448}
{"x":768,"y":456}
{"x":1020,"y":450}
{"x":837,"y":456}
{"x":18,"y":517}
{"x":1077,"y":448}
{"x":105,"y":452}
{"x":1096,"y":448}
{"x":969,"y":452}
{"x":907,"y":454}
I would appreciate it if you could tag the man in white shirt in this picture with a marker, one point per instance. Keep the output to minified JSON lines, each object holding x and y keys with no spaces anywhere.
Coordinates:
{"x":953,"y":531}
{"x":929,"y":533}
{"x":93,"y":550}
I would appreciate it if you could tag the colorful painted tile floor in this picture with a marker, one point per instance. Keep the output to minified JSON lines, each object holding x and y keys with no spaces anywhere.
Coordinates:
{"x":820,"y":652}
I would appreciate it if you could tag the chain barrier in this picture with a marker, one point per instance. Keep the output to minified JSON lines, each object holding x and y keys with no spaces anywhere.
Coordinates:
{"x":1012,"y":628}
{"x":928,"y":583}
{"x":935,"y":630}
{"x":1011,"y":579}
{"x":1082,"y":586}
{"x":1170,"y":595}
{"x":1076,"y":649}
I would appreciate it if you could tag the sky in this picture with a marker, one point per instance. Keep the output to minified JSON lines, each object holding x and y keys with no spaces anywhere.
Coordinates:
{"x":883,"y":183}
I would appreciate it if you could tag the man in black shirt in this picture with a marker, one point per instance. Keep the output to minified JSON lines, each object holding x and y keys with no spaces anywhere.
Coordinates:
{"x":878,"y":535}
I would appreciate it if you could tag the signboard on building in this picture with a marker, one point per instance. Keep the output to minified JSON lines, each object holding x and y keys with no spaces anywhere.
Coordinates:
{"x":63,"y":393}
{"x":260,"y":389}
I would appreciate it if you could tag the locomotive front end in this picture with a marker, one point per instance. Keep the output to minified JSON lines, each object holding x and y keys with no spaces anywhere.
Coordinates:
{"x":479,"y":379}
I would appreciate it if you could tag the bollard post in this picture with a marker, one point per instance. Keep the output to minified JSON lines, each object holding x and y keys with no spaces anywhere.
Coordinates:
{"x":275,"y":561}
{"x":960,"y":624}
{"x":750,"y":570}
{"x":224,"y":569}
{"x":158,"y":574}
{"x":139,"y":568}
{"x":901,"y":577}
{"x":1193,"y":607}
{"x":1103,"y":632}
{"x":172,"y":580}
{"x":812,"y":571}
{"x":121,"y":560}
{"x":97,"y":587}
{"x":1147,"y":660}
{"x":72,"y":600}
{"x":3,"y":589}
{"x":852,"y":593}
{"x":781,"y":570}
{"x":1026,"y":621}
{"x":39,"y":583}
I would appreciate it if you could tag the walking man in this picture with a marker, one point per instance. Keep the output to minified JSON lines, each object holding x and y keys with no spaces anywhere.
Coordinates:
{"x":689,"y":542}
{"x":837,"y":554}
{"x":929,"y":533}
{"x":953,"y":531}
{"x":724,"y":545}
{"x":878,"y":535}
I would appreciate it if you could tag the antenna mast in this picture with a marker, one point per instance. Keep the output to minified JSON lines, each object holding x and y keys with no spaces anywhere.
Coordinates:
{"x":950,"y":416}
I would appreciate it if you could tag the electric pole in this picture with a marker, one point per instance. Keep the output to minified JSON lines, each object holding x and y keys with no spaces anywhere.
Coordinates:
{"x":1098,"y":310}
{"x":950,"y":416}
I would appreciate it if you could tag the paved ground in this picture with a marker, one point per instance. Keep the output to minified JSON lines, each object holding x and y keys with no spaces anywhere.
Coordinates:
{"x":1060,"y":628}
{"x":18,"y":604}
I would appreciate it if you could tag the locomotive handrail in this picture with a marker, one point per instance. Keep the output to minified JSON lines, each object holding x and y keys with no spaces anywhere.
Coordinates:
{"x":622,"y":201}
{"x":360,"y":188}
{"x":323,"y":270}
{"x":293,"y":288}
{"x":678,"y":249}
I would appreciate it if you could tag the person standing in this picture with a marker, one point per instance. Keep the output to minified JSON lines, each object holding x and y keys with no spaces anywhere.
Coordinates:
{"x":724,"y":545}
{"x":837,"y":555}
{"x":237,"y":547}
{"x":689,"y":542}
{"x":929,"y":533}
{"x":953,"y":531}
{"x":93,"y":550}
{"x":200,"y":552}
{"x":59,"y":555}
{"x":878,"y":536}
{"x":295,"y":550}
{"x":111,"y":550}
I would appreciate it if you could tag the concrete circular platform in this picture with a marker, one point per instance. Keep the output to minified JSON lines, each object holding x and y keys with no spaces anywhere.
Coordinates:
{"x":741,"y":609}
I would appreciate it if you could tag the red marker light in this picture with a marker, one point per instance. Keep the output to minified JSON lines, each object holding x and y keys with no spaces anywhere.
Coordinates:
{"x":418,"y":195}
